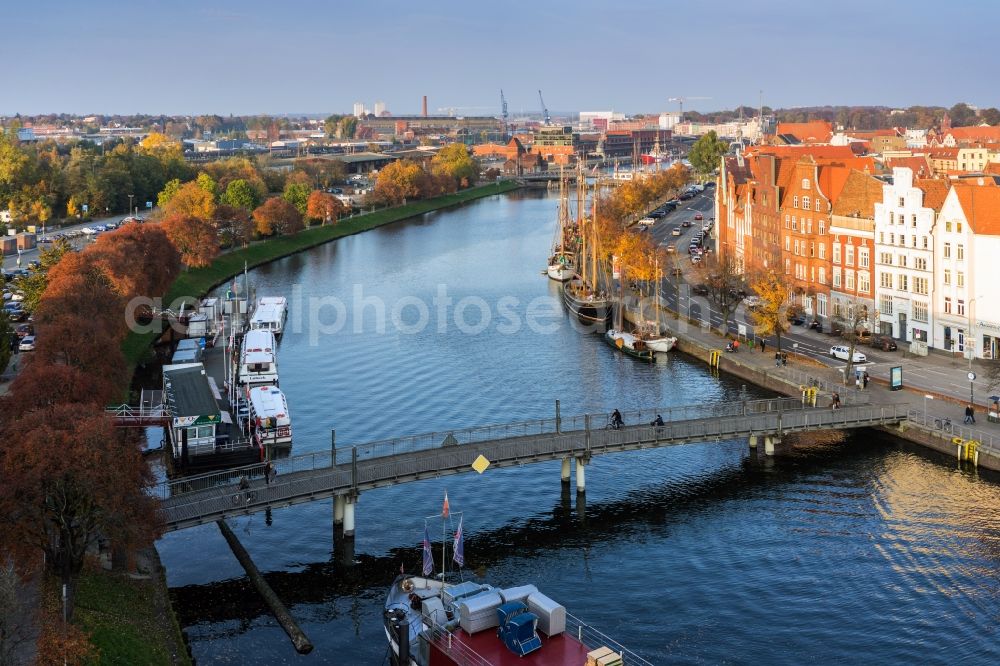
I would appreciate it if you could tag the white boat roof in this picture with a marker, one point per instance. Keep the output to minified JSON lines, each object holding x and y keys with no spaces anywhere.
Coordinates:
{"x":268,"y":312}
{"x":268,"y":401}
{"x":257,"y":357}
{"x":257,"y":340}
{"x":273,"y":300}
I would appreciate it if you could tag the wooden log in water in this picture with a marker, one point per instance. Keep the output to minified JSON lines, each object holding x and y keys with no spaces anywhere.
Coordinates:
{"x":300,"y":641}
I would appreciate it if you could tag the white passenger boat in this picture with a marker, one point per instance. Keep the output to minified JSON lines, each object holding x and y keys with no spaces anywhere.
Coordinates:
{"x":258,"y":359}
{"x":270,"y":420}
{"x":270,"y":315}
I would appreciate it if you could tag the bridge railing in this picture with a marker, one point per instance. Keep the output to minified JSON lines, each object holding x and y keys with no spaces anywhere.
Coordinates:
{"x":986,"y":441}
{"x":443,"y":440}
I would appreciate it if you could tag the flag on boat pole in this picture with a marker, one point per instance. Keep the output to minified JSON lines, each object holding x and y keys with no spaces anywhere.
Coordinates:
{"x":402,"y":572}
{"x":459,"y":555}
{"x":428,"y":558}
{"x":444,"y":509}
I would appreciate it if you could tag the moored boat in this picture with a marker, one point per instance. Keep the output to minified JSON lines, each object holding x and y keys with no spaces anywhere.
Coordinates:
{"x":629,"y":344}
{"x":270,"y":420}
{"x":589,"y":306}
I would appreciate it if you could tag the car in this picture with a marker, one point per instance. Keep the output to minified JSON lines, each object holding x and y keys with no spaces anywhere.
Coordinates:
{"x":884,"y":342}
{"x":676,"y":231}
{"x":100,"y":228}
{"x":671,"y":248}
{"x":696,"y":258}
{"x":111,"y":225}
{"x":23,"y":330}
{"x":710,"y":183}
{"x":797,"y":319}
{"x":698,"y":217}
{"x":17,"y":296}
{"x":700,"y":290}
{"x":676,"y":271}
{"x":27,"y":343}
{"x":686,"y":223}
{"x":88,"y":231}
{"x":751,"y":302}
{"x":45,"y":240}
{"x":646,"y":221}
{"x":657,"y":214}
{"x":842,"y":352}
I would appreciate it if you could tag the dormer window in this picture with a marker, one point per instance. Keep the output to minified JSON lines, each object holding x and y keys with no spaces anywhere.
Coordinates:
{"x":805,"y":183}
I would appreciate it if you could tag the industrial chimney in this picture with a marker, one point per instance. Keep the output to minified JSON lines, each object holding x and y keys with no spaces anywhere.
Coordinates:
{"x":424,"y":112}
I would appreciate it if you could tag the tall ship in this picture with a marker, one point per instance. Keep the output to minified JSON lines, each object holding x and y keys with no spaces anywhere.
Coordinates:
{"x":656,"y":155}
{"x":583,"y":294}
{"x":561,"y":266}
{"x":429,"y":621}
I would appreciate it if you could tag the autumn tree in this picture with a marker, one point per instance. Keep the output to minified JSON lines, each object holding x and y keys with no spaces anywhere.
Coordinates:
{"x":324,"y":208}
{"x":322,"y":172}
{"x":208,"y":184}
{"x":70,"y":478}
{"x":277,"y":216}
{"x":5,"y":334}
{"x":455,"y":162}
{"x":725,"y":282}
{"x":195,"y":238}
{"x":137,"y":260}
{"x":769,"y":317}
{"x":398,"y":181}
{"x":707,"y":152}
{"x":297,"y":194}
{"x":168,"y":192}
{"x":241,"y":194}
{"x":190,"y":200}
{"x":234,"y":225}
{"x":33,"y":285}
{"x":853,"y":316}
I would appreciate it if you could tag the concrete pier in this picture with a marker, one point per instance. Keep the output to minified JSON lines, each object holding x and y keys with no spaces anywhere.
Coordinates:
{"x":349,"y":516}
{"x":581,"y":475}
{"x":565,"y":476}
{"x":770,"y":442}
{"x":338,"y":509}
{"x":752,"y":440}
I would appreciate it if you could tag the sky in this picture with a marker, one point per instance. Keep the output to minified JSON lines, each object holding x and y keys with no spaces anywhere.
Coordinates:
{"x":320,"y":56}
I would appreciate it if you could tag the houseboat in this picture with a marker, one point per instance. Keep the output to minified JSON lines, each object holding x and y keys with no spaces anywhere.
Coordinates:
{"x":270,"y":422}
{"x":270,"y":315}
{"x":258,"y":362}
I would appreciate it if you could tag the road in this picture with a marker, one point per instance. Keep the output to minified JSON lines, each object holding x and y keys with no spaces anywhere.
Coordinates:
{"x":10,"y":261}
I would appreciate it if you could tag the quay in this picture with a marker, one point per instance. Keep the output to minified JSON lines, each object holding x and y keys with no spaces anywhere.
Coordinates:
{"x":343,"y":473}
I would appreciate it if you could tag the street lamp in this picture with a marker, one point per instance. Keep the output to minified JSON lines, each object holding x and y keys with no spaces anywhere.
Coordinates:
{"x":927,"y":397}
{"x":130,"y":203}
{"x":972,"y":378}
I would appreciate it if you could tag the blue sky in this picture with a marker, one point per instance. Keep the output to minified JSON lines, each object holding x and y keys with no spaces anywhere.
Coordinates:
{"x":315,"y":56}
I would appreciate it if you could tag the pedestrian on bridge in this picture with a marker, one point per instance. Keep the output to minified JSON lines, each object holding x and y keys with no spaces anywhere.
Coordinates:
{"x":268,"y":470}
{"x":763,"y":345}
{"x":970,"y":414}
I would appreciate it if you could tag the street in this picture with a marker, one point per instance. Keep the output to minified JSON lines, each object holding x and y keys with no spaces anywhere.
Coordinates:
{"x":10,"y":261}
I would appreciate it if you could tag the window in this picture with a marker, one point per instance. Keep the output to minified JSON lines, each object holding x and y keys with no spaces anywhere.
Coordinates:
{"x":806,"y":203}
{"x":920,"y":312}
{"x":881,"y":237}
{"x":885,"y":305}
{"x":958,"y":226}
{"x":805,"y":183}
{"x":902,"y":202}
{"x":925,"y":242}
{"x":795,"y":201}
{"x":822,"y":250}
{"x":864,"y":283}
{"x":947,"y":250}
{"x":788,"y":266}
{"x":836,"y":278}
{"x":947,"y":276}
{"x":836,"y":253}
{"x":960,"y":252}
{"x":796,"y":247}
{"x":920,"y":285}
{"x":885,"y":258}
{"x":795,"y":224}
{"x":822,"y":228}
{"x":913,"y":221}
{"x":947,"y":225}
{"x":849,"y":280}
{"x":822,"y":275}
{"x":947,"y":305}
{"x":849,"y":255}
{"x":920,"y":263}
{"x":961,"y":307}
{"x":904,"y":282}
{"x":788,"y":222}
{"x":892,"y":218}
{"x":863,"y":257}
{"x":821,"y":305}
{"x":817,"y":204}
{"x":914,"y":241}
{"x":960,"y":279}
{"x":892,"y":239}
{"x":812,"y":249}
{"x":885,"y":279}
{"x":788,"y":243}
{"x":902,"y":240}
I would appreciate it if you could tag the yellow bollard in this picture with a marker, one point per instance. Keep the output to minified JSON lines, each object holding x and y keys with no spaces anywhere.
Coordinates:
{"x":713,"y":358}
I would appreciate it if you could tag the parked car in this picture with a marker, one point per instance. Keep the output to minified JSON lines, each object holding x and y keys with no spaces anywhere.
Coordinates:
{"x":863,"y":336}
{"x":23,"y":330}
{"x":700,"y":290}
{"x":676,"y":231}
{"x":842,"y":352}
{"x":646,"y":221}
{"x":671,"y":248}
{"x":884,"y":342}
{"x":752,"y":302}
{"x":27,"y":343}
{"x":797,"y":319}
{"x":696,"y":258}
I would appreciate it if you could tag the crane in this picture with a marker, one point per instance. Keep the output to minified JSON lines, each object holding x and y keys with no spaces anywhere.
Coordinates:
{"x":546,"y":118}
{"x":503,"y":113}
{"x":680,"y":101}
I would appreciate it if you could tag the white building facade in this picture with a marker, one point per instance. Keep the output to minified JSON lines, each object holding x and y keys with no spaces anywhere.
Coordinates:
{"x":904,"y":260}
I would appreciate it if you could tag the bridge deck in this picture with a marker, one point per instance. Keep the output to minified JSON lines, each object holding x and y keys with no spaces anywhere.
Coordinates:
{"x":312,"y":477}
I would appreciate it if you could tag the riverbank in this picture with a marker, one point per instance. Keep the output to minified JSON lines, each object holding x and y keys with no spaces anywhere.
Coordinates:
{"x":760,"y":370}
{"x":192,"y":284}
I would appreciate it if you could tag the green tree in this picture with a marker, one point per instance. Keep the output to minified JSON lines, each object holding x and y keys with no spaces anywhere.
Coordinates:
{"x":991,"y":116}
{"x":33,"y":285}
{"x":332,"y":125}
{"x":168,"y":192}
{"x":455,"y":162}
{"x":706,"y":153}
{"x":961,"y":115}
{"x":346,"y":127}
{"x":207,"y":183}
{"x":241,"y":194}
{"x":297,"y":194}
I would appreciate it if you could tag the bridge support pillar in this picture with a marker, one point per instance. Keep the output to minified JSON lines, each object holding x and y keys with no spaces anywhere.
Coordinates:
{"x":564,"y":476}
{"x":581,"y":475}
{"x":753,"y":441}
{"x":349,"y":517}
{"x":770,"y":442}
{"x":338,"y":509}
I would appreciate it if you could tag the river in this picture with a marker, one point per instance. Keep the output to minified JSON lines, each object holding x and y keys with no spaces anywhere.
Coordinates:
{"x":860,"y":552}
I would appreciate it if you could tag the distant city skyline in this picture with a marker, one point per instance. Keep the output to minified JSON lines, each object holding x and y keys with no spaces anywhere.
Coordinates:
{"x":226,"y":57}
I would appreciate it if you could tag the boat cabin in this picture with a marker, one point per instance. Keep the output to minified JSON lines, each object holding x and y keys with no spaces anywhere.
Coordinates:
{"x":258,"y":361}
{"x":270,"y":314}
{"x":270,"y":421}
{"x":196,"y":420}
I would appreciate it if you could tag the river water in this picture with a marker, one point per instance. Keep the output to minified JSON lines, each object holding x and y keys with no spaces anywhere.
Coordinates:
{"x":865,"y":551}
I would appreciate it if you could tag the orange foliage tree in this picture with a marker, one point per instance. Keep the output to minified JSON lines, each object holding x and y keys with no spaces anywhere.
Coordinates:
{"x":277,"y":216}
{"x":138,"y":259}
{"x":399,"y":181}
{"x":234,"y":224}
{"x":70,"y":477}
{"x":324,"y":207}
{"x":190,"y":200}
{"x":195,"y":238}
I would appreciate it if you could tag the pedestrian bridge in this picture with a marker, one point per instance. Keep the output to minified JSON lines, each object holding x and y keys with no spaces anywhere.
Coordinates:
{"x":346,"y":471}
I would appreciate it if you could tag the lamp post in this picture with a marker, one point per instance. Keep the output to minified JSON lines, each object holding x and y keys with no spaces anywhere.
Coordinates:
{"x":130,"y":197}
{"x":972,"y":379}
{"x":927,"y":397}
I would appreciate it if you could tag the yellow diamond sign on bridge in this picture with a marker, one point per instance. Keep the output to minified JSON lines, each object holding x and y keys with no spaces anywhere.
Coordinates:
{"x":480,"y":464}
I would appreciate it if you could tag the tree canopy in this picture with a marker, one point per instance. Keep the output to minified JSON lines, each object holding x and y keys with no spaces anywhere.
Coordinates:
{"x":707,"y":152}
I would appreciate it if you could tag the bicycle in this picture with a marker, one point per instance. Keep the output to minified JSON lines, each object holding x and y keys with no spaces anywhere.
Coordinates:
{"x":613,"y":424}
{"x":943,"y":423}
{"x":244,"y":496}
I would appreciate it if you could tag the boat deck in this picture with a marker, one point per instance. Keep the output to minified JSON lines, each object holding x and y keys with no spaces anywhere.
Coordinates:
{"x":559,"y":650}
